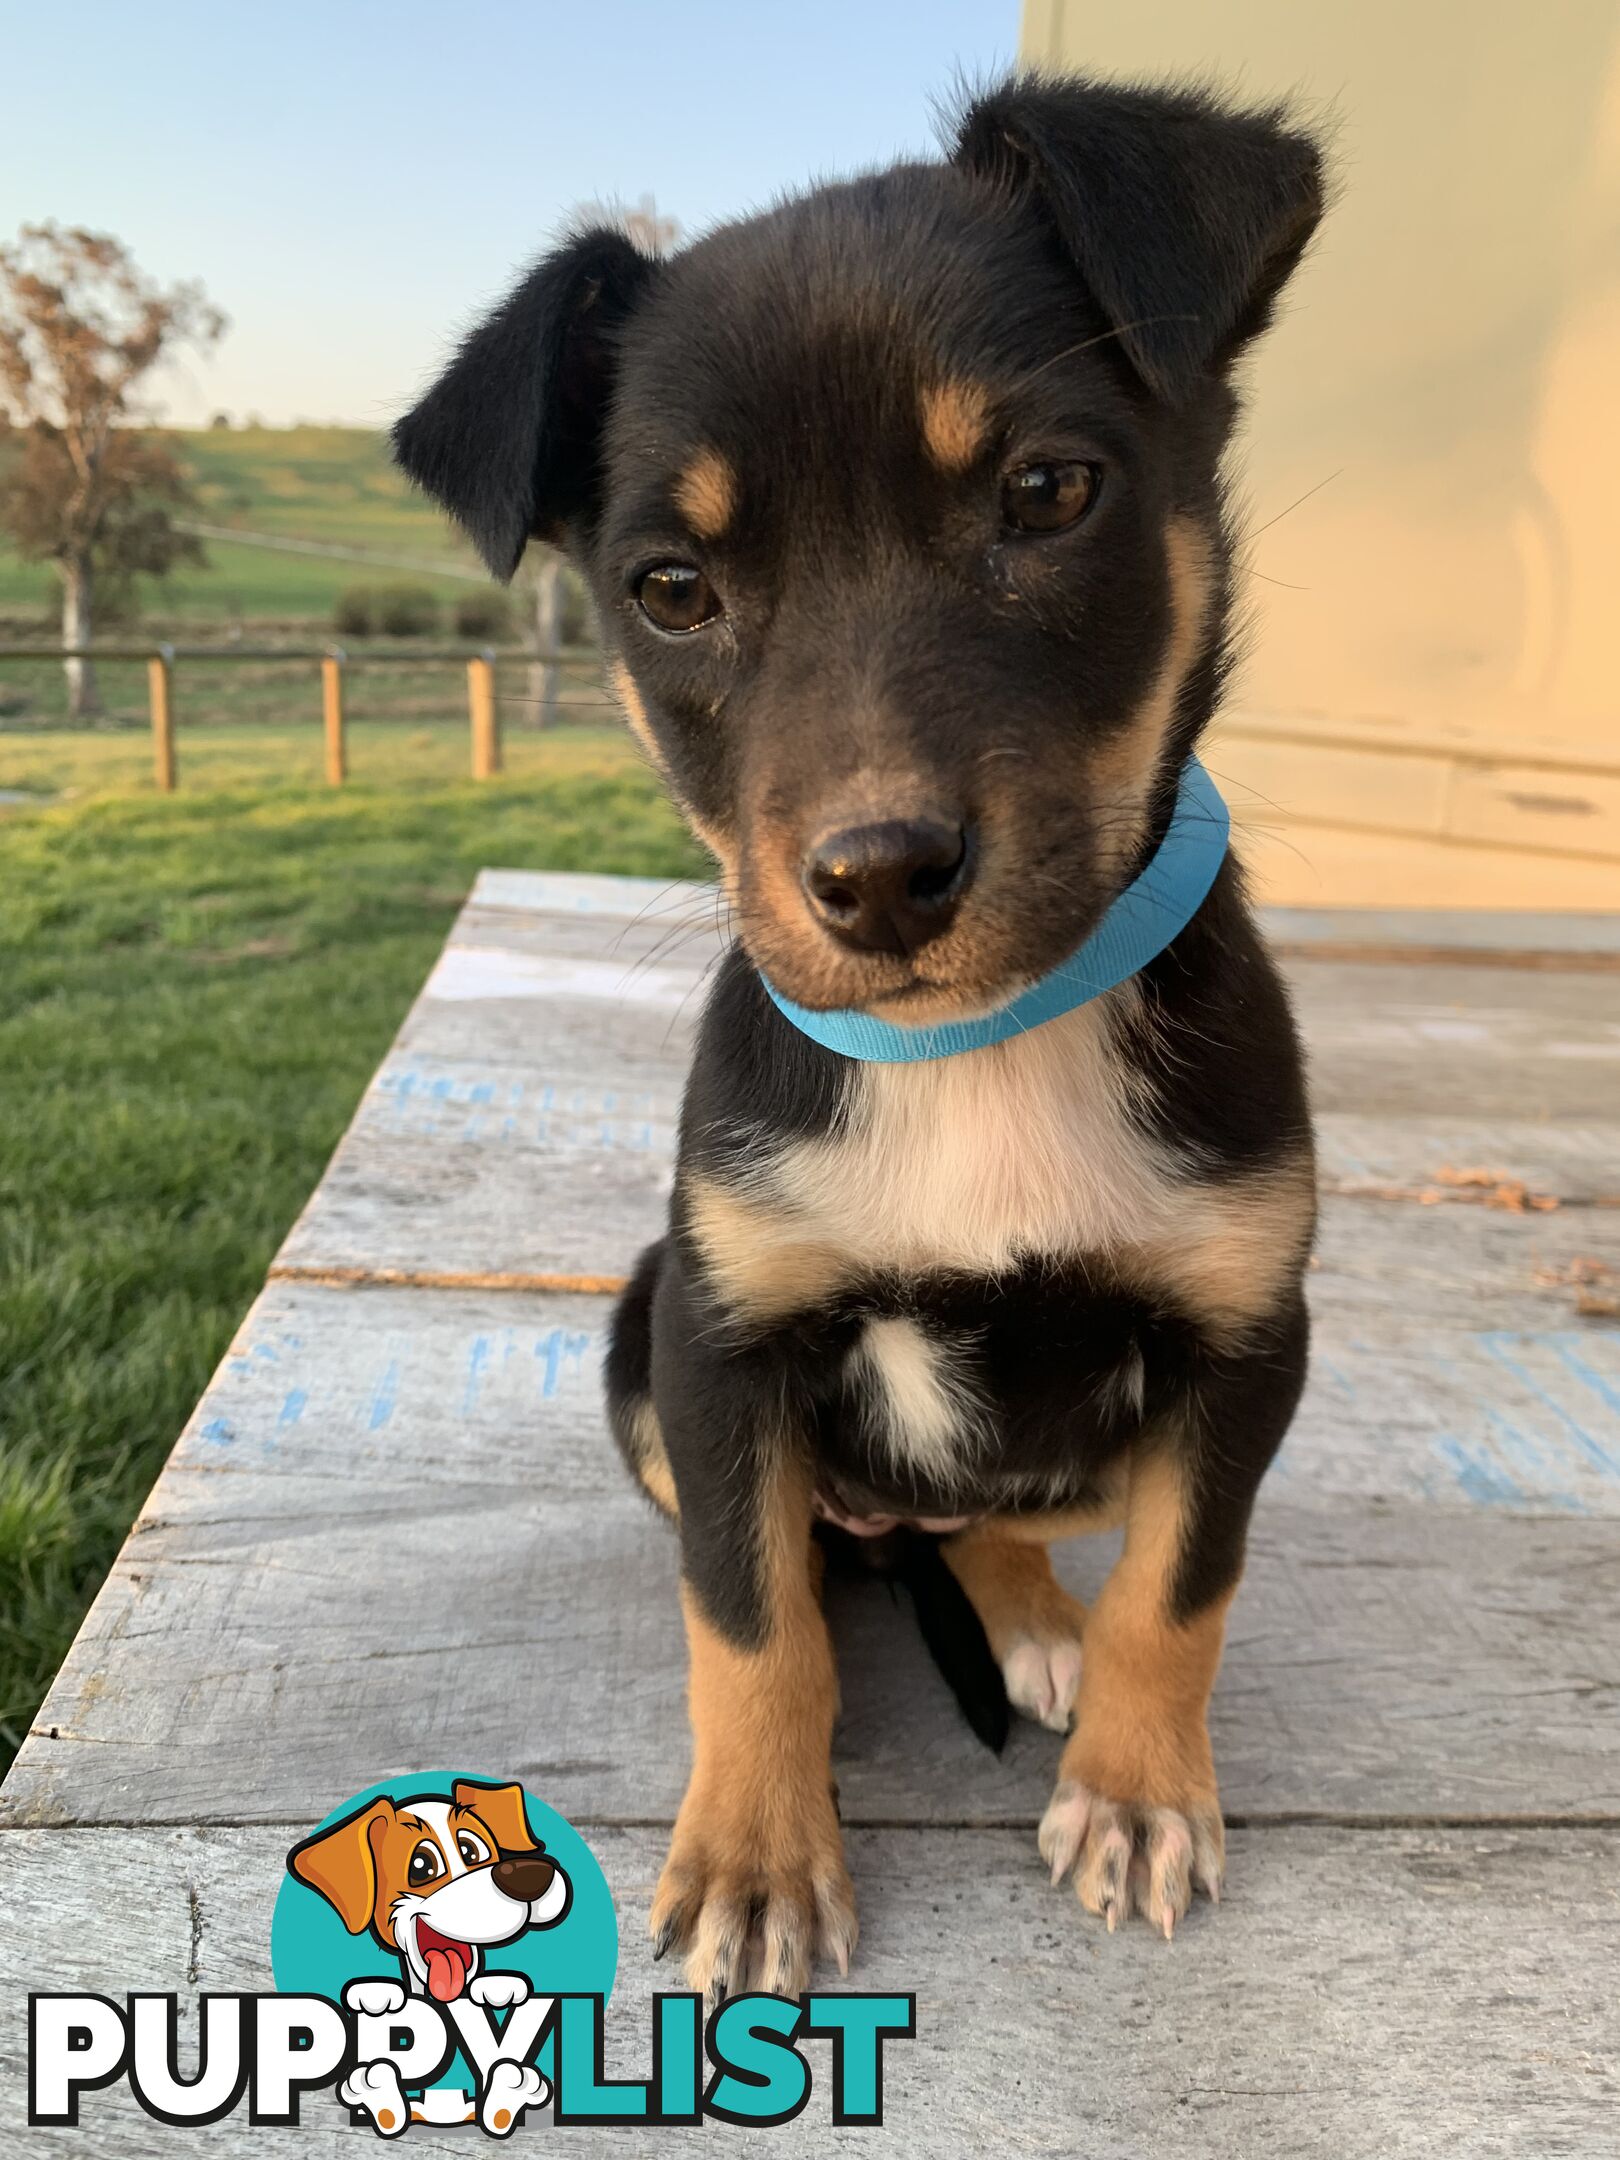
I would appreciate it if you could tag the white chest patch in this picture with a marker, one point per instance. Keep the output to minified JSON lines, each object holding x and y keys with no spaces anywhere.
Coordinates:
{"x":980,"y":1161}
{"x":922,"y":1408}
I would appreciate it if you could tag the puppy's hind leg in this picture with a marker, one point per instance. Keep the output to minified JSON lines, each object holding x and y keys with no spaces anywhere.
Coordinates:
{"x":631,"y":1413}
{"x":1033,"y":1624}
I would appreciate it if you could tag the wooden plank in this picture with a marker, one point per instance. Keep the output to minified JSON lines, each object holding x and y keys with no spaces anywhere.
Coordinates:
{"x":385,"y":1495}
{"x":1482,"y":1042}
{"x":345,"y":1400}
{"x":525,"y":1121}
{"x":1358,"y":1995}
{"x":1382,"y":1662}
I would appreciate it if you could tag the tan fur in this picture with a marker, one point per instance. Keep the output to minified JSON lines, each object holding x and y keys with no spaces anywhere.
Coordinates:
{"x":1013,"y":1589}
{"x":1141,"y":1731}
{"x":759,"y":1263}
{"x":635,"y":712}
{"x":955,"y":423}
{"x":1027,"y":1149}
{"x":1239,"y":1250}
{"x":706,"y":494}
{"x":758,"y":1815}
{"x":657,"y":1480}
{"x":1121,"y":771}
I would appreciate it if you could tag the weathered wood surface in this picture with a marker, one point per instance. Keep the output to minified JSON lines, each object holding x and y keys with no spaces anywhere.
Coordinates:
{"x":525,"y":1121}
{"x":302,"y":1560}
{"x":1361,"y":1995}
{"x":394,"y":1530}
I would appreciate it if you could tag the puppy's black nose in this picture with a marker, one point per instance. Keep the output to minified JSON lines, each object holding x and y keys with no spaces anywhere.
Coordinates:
{"x":888,"y":887}
{"x":524,"y":1876}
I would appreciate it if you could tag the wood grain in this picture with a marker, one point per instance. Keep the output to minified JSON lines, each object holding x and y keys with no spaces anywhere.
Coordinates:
{"x":1360,"y":1995}
{"x":395,"y":1530}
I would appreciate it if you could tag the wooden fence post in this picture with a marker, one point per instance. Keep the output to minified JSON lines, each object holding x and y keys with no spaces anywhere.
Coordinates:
{"x":159,"y":683}
{"x":545,"y":675}
{"x":337,"y":764}
{"x":486,"y":732}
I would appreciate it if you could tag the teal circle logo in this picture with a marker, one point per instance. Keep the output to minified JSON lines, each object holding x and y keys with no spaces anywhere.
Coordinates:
{"x":447,"y":1885}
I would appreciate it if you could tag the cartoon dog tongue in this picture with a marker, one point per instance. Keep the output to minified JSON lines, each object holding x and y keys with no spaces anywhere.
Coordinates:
{"x":447,"y":1965}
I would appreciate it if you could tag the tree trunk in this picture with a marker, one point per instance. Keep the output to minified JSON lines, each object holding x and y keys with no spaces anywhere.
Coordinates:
{"x":84,"y":698}
{"x":544,"y":674}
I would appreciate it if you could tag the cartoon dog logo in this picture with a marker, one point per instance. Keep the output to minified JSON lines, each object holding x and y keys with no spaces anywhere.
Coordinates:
{"x":438,"y":1879}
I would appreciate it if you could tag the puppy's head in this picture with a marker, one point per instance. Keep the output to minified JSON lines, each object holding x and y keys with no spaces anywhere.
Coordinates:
{"x":900,"y":505}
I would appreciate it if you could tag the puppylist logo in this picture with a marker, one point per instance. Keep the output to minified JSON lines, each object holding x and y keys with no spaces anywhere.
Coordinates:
{"x":443,"y":1948}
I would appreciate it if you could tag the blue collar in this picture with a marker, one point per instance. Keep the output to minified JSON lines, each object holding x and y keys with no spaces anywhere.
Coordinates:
{"x":1148,"y":914}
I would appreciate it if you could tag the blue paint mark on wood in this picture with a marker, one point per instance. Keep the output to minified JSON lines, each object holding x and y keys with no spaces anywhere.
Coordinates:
{"x":220,"y":1430}
{"x":1507,"y":1351}
{"x":563,"y":1346}
{"x":292,"y":1406}
{"x":1484,"y":1483}
{"x":477,"y":1360}
{"x":384,"y":1397}
{"x":1606,"y":1394}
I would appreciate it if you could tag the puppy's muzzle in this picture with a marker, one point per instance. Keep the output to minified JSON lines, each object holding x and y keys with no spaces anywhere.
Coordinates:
{"x":890,"y":886}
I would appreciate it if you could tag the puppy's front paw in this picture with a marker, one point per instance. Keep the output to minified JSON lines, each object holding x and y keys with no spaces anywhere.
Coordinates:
{"x":1125,"y":1855}
{"x":1042,"y":1679}
{"x":499,"y":1990}
{"x":751,"y":1895}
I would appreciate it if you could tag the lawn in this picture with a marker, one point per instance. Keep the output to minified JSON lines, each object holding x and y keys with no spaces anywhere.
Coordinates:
{"x":193,"y":993}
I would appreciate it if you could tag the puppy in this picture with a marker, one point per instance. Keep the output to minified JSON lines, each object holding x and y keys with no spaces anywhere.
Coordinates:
{"x":902,"y":510}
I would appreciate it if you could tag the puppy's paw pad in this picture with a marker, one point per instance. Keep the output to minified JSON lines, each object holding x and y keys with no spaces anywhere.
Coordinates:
{"x":1125,"y":1857}
{"x":1042,"y":1679}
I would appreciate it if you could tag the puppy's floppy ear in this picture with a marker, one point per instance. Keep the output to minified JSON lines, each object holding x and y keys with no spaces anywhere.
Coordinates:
{"x":500,"y":1809}
{"x":507,"y":438}
{"x":341,"y":1863}
{"x":1183,"y":217}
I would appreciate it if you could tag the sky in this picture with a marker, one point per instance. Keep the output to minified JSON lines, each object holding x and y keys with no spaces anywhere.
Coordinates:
{"x":353,"y":183}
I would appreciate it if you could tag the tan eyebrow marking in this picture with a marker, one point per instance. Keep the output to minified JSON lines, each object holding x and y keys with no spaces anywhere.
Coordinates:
{"x":955,"y":423}
{"x":706,"y":494}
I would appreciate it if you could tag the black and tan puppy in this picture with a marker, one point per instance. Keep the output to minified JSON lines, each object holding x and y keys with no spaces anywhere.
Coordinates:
{"x":901,"y":506}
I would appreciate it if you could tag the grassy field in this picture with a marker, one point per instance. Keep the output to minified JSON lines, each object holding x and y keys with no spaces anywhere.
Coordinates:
{"x":193,"y":993}
{"x":332,"y":485}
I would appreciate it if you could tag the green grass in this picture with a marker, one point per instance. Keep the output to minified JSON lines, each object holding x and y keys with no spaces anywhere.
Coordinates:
{"x":193,"y":993}
{"x":334,"y":485}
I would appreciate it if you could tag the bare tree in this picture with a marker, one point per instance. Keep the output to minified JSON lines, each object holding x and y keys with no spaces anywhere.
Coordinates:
{"x":80,"y":329}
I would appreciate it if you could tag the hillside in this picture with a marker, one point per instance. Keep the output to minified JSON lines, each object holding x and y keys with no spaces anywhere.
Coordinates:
{"x":334,"y":486}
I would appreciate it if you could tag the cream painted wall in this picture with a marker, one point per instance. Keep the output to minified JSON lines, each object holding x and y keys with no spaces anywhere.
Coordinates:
{"x":1450,"y":354}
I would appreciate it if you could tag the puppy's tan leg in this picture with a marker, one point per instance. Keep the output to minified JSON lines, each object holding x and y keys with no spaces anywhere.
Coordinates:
{"x":1135,"y":1813}
{"x":755,"y":1884}
{"x":1033,"y":1625}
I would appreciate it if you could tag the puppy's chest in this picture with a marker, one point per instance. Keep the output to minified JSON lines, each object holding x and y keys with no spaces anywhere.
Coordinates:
{"x":975,"y":1164}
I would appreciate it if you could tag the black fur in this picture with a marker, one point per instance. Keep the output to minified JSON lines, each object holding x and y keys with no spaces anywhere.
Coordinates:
{"x":1081,"y":273}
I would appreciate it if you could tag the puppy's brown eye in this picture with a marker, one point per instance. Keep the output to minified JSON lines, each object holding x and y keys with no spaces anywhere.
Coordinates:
{"x":1045,"y":498}
{"x":674,"y":596}
{"x":425,"y":1864}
